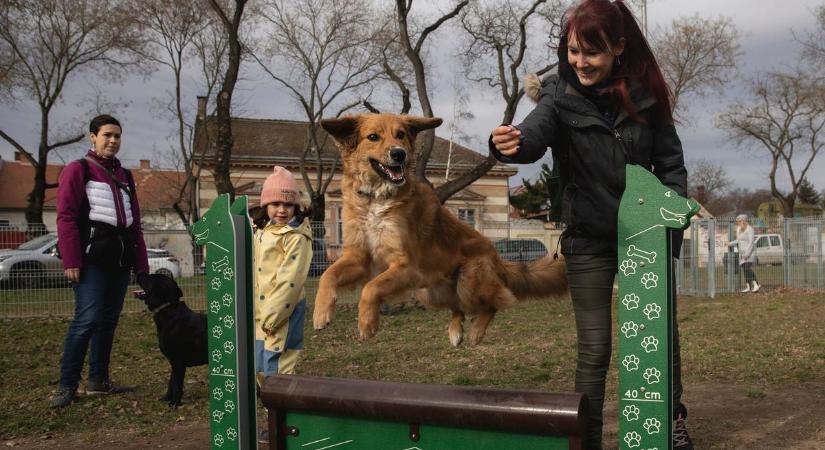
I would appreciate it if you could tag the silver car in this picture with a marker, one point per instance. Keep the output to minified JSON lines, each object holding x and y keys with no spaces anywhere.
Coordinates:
{"x":32,"y":264}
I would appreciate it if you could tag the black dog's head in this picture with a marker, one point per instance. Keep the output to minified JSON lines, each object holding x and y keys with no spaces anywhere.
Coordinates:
{"x":158,"y":290}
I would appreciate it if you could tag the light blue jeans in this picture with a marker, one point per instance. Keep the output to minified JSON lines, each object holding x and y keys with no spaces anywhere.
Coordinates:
{"x":98,"y":301}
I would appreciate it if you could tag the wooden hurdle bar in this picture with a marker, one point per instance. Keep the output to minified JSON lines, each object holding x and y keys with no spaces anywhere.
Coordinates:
{"x":316,"y":412}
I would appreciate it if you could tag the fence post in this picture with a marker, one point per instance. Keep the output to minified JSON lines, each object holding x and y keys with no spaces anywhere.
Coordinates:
{"x":786,"y":260}
{"x":711,"y":258}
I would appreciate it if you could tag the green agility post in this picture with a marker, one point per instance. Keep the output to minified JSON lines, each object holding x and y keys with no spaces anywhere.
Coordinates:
{"x":647,"y":211}
{"x":226,"y":235}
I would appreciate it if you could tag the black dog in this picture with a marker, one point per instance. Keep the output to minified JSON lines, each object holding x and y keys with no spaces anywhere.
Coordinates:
{"x":182,"y":335}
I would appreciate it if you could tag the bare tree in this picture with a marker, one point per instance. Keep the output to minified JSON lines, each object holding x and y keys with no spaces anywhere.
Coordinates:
{"x":498,"y":46}
{"x":231,"y":18}
{"x":709,"y":177}
{"x":321,"y":51}
{"x":50,"y":42}
{"x":172,"y":27}
{"x":697,"y":55}
{"x":414,"y":47}
{"x":813,"y":42}
{"x":784,"y":116}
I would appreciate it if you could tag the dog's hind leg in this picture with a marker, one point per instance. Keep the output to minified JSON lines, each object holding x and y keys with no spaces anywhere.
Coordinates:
{"x":348,"y":269}
{"x":479,"y":326}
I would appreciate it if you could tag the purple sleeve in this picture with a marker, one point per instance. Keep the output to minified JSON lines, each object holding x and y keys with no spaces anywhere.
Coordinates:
{"x":141,"y":259}
{"x":71,"y":193}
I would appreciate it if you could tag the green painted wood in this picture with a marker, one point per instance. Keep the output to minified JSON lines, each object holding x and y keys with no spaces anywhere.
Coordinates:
{"x":226,"y":238}
{"x":647,"y":211}
{"x":316,"y":432}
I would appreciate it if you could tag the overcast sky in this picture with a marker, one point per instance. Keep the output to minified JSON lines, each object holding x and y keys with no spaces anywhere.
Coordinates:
{"x":767,"y":44}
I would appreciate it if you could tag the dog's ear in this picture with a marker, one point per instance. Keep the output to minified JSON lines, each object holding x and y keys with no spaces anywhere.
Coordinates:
{"x":343,"y":129}
{"x":418,"y":124}
{"x":144,"y":280}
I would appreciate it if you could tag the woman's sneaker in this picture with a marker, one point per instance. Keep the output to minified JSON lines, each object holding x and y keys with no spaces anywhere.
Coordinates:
{"x":756,"y":286}
{"x":681,"y":438}
{"x":63,"y":397}
{"x":106,"y":387}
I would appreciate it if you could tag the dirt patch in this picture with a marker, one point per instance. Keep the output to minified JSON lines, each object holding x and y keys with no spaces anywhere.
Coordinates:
{"x":721,"y":416}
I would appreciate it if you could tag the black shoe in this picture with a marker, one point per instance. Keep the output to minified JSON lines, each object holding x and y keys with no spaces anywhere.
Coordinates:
{"x":106,"y":387}
{"x":63,"y":397}
{"x":681,"y":438}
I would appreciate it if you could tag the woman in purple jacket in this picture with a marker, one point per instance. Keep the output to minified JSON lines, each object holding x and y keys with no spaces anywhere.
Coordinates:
{"x":100,"y":240}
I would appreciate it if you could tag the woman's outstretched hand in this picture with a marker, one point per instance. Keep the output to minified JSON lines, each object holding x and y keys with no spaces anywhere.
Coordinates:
{"x":506,"y":138}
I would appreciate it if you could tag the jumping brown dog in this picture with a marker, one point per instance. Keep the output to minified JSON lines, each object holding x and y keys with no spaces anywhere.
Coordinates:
{"x":398,"y":237}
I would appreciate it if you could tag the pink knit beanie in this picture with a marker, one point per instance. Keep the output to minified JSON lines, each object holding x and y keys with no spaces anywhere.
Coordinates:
{"x":280,"y":187}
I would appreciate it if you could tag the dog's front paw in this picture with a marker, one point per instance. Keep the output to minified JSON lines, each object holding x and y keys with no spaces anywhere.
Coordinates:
{"x":324,"y":309}
{"x":367,"y":322}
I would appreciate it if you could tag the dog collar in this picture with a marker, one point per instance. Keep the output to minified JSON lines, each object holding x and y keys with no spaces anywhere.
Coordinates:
{"x":159,"y":308}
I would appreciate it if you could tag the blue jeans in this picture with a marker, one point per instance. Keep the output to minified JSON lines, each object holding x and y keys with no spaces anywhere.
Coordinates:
{"x":98,"y":302}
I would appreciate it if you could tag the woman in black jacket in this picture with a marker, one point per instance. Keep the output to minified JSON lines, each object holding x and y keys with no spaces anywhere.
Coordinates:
{"x":607,"y":106}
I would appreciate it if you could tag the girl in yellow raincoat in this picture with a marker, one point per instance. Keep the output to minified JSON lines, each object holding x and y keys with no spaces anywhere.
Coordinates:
{"x":282,"y":251}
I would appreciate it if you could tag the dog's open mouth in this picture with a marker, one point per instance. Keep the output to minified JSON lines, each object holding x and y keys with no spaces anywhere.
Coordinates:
{"x":393,"y":174}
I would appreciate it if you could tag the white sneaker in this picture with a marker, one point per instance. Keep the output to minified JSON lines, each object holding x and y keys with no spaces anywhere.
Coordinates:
{"x":756,"y":286}
{"x":747,"y":288}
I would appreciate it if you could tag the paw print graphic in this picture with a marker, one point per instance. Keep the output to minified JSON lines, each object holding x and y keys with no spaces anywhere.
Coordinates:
{"x":228,"y":321}
{"x":630,"y":329}
{"x":217,"y":415}
{"x":231,"y":433}
{"x":214,"y":307}
{"x":216,"y":355}
{"x":631,"y":412}
{"x":218,"y":440}
{"x":652,"y":311}
{"x":215,"y":283}
{"x":650,"y":344}
{"x":628,"y":267}
{"x":631,"y":362}
{"x":229,"y":385}
{"x":631,"y":301}
{"x":652,"y":425}
{"x":217,"y":331}
{"x":228,"y":347}
{"x":228,"y":273}
{"x":652,"y":375}
{"x":650,"y":280}
{"x":229,"y":406}
{"x":217,"y":393}
{"x":227,"y":299}
{"x":633,"y":439}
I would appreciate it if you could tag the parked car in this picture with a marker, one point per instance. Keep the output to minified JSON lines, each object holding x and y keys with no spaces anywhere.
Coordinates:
{"x":163,"y":262}
{"x":521,"y":249}
{"x":32,"y":264}
{"x":320,"y":262}
{"x":768,"y":249}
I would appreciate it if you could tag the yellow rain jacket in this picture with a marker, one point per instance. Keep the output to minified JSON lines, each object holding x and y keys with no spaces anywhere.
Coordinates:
{"x":282,"y":255}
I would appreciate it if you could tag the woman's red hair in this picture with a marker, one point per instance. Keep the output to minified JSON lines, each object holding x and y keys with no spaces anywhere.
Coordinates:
{"x":602,"y":24}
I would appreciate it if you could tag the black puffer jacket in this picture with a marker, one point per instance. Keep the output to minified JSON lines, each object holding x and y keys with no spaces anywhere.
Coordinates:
{"x":595,"y":152}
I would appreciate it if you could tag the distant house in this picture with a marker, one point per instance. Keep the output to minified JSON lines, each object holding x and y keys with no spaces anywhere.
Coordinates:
{"x":260,"y":144}
{"x":772,"y":209}
{"x":157,"y":190}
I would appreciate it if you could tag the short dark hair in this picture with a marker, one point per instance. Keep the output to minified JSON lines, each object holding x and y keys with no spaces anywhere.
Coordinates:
{"x":99,"y":121}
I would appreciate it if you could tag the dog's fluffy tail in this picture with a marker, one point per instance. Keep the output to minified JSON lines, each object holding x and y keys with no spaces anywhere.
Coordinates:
{"x":545,"y":277}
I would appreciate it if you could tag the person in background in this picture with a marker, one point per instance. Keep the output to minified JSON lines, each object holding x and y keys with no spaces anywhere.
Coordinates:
{"x":607,"y":106}
{"x":747,"y":255}
{"x":100,"y":240}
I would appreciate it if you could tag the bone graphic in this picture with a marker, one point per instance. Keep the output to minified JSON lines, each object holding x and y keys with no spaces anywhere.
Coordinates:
{"x":220,"y":264}
{"x":650,"y":257}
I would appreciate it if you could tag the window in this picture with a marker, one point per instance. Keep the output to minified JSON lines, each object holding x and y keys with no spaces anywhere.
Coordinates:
{"x":762,"y":242}
{"x":775,"y":241}
{"x":467,"y":216}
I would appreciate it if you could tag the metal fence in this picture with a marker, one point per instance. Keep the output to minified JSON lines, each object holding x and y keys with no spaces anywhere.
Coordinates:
{"x":789,"y":252}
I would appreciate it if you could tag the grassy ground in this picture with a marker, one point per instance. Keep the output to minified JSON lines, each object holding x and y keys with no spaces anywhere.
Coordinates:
{"x":755,"y":344}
